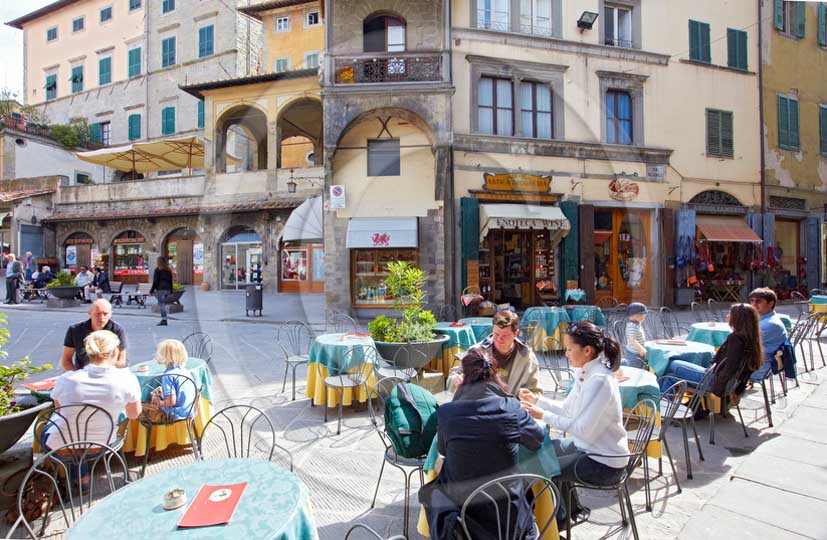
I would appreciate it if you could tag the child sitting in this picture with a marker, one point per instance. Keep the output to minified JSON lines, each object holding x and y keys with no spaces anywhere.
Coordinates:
{"x":634,"y":353}
{"x":173,"y":399}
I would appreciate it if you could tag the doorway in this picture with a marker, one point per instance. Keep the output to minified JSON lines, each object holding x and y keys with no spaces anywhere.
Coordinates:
{"x":622,"y":255}
{"x":185,"y":252}
{"x":516,"y":266}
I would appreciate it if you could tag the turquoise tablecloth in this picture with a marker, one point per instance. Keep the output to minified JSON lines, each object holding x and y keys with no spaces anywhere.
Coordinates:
{"x":461,"y":336}
{"x":199,"y":369}
{"x":787,"y":320}
{"x":577,"y":295}
{"x":482,"y":326}
{"x":585,"y":313}
{"x":660,"y":355}
{"x":274,"y":506}
{"x":548,"y":317}
{"x":641,"y":384}
{"x":710,"y":333}
{"x":818,"y":299}
{"x":329,"y":350}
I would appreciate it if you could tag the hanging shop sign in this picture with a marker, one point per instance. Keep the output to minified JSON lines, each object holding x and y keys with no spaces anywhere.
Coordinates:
{"x":78,"y":241}
{"x":517,"y":182}
{"x":136,"y":240}
{"x":622,"y":189}
{"x":337,"y":197}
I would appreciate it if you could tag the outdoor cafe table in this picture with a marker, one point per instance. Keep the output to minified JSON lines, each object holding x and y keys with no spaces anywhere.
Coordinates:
{"x":551,"y":321}
{"x":275,"y":505}
{"x":482,"y":326}
{"x":461,"y":338}
{"x":711,"y":333}
{"x":585,"y":313}
{"x":661,"y":352}
{"x":328,"y":351}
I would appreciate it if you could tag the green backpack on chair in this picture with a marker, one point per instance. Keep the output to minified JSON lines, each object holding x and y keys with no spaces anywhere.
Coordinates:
{"x":410,"y":419}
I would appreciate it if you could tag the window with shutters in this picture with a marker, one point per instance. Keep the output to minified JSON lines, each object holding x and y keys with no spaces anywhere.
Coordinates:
{"x":822,"y":129}
{"x":78,"y":24}
{"x":280,"y":65}
{"x":206,"y":41}
{"x":106,"y":14}
{"x":200,"y":118}
{"x":77,"y":79}
{"x":790,"y":17}
{"x":168,"y":51}
{"x":168,"y":120}
{"x":134,"y":125}
{"x":51,"y":86}
{"x":495,"y":106}
{"x":105,"y":70}
{"x":535,"y":110}
{"x":736,"y":48}
{"x":134,"y":62}
{"x":788,"y":136}
{"x":167,"y":6}
{"x":699,"y":49}
{"x":719,"y":135}
{"x":384,"y":157}
{"x":822,"y":25}
{"x":51,"y":34}
{"x":134,"y":4}
{"x":618,"y":117}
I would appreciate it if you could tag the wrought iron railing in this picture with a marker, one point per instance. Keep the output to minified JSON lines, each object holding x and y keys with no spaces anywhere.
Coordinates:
{"x":617,"y":42}
{"x":393,"y":67}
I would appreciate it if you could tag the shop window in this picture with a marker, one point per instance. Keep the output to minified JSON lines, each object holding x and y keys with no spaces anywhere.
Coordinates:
{"x":168,"y":51}
{"x":80,"y":249}
{"x":369,"y":270}
{"x":384,"y":157}
{"x":699,"y":49}
{"x":242,"y":258}
{"x":494,"y":15}
{"x":130,"y":264}
{"x":618,"y":117}
{"x":790,"y":17}
{"x":105,"y":70}
{"x":294,"y":264}
{"x":736,"y":48}
{"x":788,"y":136}
{"x":51,"y":86}
{"x":206,"y":41}
{"x":535,"y":110}
{"x":318,"y":264}
{"x":495,"y":108}
{"x":719,"y":138}
{"x":383,"y":33}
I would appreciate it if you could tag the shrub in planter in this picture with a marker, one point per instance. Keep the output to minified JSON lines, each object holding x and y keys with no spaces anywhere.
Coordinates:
{"x":62,"y":279}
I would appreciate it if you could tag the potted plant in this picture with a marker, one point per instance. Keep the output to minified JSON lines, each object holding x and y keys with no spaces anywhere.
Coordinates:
{"x":15,"y":418}
{"x":415,"y":326}
{"x":63,"y":286}
{"x":175,"y":296}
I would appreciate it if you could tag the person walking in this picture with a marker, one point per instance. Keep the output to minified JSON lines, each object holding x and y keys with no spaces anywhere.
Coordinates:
{"x":162,"y":287}
{"x":30,"y":266}
{"x":14,"y":275}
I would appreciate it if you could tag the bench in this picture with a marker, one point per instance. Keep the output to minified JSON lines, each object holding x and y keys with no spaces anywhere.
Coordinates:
{"x":115,"y":288}
{"x":30,"y":293}
{"x":139,"y":295}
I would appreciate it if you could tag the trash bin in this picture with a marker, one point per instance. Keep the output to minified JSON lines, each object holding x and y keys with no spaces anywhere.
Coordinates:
{"x":254,"y":299}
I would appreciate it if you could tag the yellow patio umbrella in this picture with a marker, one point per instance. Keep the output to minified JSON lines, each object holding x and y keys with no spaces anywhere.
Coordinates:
{"x":149,"y":157}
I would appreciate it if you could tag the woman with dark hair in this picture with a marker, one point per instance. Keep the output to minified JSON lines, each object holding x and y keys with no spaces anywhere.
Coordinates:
{"x":480,"y":433}
{"x":162,"y":287}
{"x":740,"y":355}
{"x":592,"y":414}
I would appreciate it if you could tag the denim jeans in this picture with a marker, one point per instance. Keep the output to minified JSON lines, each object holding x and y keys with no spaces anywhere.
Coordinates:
{"x":687,"y":371}
{"x":162,"y":303}
{"x":632,"y":362}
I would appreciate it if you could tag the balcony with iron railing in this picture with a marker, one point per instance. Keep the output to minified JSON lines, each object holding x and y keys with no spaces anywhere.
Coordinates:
{"x":619,"y":42}
{"x":500,"y":21}
{"x":390,"y":68}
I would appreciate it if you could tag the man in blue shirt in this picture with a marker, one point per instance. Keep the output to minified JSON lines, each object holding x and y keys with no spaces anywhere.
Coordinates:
{"x":773,"y":331}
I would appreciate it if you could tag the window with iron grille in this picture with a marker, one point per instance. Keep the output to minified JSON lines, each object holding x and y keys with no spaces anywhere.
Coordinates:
{"x":495,"y":106}
{"x":617,"y":26}
{"x":384,"y":157}
{"x":494,"y":15}
{"x":719,"y":134}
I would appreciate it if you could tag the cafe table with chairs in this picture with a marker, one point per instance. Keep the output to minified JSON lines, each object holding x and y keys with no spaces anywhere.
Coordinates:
{"x":538,"y":323}
{"x":711,"y":333}
{"x":328,"y":353}
{"x":661,"y":352}
{"x":482,"y":326}
{"x":461,"y":337}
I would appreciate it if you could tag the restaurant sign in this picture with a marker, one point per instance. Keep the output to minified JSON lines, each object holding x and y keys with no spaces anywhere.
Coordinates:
{"x":622,"y":189}
{"x":517,"y":182}
{"x":136,"y":240}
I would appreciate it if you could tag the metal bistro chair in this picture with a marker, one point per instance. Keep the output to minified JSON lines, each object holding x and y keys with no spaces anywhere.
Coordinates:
{"x":619,"y":329}
{"x":718,"y":310}
{"x":372,"y":533}
{"x":294,"y":338}
{"x":337,"y":322}
{"x":642,"y":418}
{"x":652,"y":325}
{"x":799,"y":301}
{"x":494,"y":498}
{"x":701,"y":312}
{"x":59,"y":475}
{"x":671,"y":325}
{"x":377,"y":397}
{"x":818,"y":324}
{"x":70,"y":424}
{"x":606,"y":302}
{"x":172,"y":385}
{"x":199,"y":345}
{"x":358,"y":364}
{"x":531,"y":329}
{"x":553,"y":359}
{"x":404,"y":365}
{"x":236,"y":426}
{"x":798,"y":336}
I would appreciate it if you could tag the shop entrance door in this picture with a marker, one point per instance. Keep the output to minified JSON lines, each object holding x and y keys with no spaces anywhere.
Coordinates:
{"x":253,"y":261}
{"x":512,"y":263}
{"x":622,"y":252}
{"x":183,"y":260}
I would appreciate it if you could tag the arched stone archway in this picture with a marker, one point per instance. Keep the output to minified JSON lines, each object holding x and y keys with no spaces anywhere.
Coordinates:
{"x":241,"y":255}
{"x":130,"y":259}
{"x":241,"y":132}
{"x":715,"y":197}
{"x":299,"y":132}
{"x":184,"y":249}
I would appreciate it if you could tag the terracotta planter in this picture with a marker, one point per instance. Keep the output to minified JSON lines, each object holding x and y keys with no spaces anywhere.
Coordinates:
{"x":64,"y":293}
{"x":14,"y":426}
{"x":431,"y":348}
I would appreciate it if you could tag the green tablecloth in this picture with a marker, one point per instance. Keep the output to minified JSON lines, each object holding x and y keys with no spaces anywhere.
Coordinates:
{"x":818,"y":299}
{"x":641,"y":384}
{"x":482,"y":326}
{"x":710,"y":333}
{"x":660,"y":355}
{"x":548,"y":317}
{"x":329,"y":350}
{"x":585,"y":313}
{"x":461,"y":336}
{"x":274,"y":506}
{"x":199,"y":369}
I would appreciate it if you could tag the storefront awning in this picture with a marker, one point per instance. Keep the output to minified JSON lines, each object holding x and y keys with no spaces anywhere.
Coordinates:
{"x":725,"y":229}
{"x":305,"y":222}
{"x":382,"y":233}
{"x":523,"y":216}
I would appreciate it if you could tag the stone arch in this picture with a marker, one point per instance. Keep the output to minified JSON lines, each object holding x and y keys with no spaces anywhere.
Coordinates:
{"x":378,"y":26}
{"x":300,"y":121}
{"x":415,"y":118}
{"x":248,"y":122}
{"x":232,"y":259}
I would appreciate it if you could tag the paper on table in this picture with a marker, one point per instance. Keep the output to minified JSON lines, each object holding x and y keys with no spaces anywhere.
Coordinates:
{"x":39,"y":386}
{"x":357,"y":335}
{"x":214,"y":505}
{"x":457,"y":324}
{"x":671,"y":342}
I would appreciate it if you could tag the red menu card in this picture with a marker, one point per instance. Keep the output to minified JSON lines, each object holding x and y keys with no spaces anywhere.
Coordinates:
{"x":214,"y":505}
{"x":40,"y":386}
{"x":357,"y":335}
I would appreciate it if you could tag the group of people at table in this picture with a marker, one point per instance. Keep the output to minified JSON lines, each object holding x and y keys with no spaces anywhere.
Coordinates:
{"x":498,"y":408}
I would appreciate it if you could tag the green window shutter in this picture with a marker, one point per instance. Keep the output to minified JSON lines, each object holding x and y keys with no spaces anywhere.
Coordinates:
{"x":206,"y":41}
{"x":134,"y":62}
{"x":727,"y":135}
{"x":105,"y":70}
{"x":77,"y":79}
{"x":778,"y":15}
{"x":168,"y":52}
{"x":800,"y":27}
{"x":822,"y":129}
{"x":822,"y":25}
{"x":694,"y":41}
{"x":134,"y":127}
{"x":742,"y":50}
{"x":95,"y":133}
{"x":706,"y":55}
{"x":793,"y":105}
{"x":731,"y":48}
{"x":469,"y":235}
{"x":201,"y":114}
{"x":168,"y":120}
{"x":783,"y":122}
{"x":51,"y":86}
{"x":713,"y":133}
{"x":570,"y":252}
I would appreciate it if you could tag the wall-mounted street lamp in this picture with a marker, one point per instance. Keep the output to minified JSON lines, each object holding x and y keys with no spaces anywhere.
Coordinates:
{"x":586,"y":20}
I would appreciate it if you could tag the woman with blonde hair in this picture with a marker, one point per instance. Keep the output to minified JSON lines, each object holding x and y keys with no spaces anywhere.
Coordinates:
{"x":99,"y":383}
{"x":172,"y":397}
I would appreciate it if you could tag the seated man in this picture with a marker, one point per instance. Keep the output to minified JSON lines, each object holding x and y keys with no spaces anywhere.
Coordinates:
{"x":84,"y":281}
{"x":43,"y":278}
{"x":515,"y":361}
{"x":74,"y":353}
{"x":773,"y":331}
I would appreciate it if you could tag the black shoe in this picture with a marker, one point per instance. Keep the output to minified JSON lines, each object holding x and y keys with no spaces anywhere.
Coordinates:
{"x":701,"y":414}
{"x":162,"y":323}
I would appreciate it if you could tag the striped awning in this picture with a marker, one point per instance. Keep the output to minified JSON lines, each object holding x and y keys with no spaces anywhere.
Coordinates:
{"x":725,"y":229}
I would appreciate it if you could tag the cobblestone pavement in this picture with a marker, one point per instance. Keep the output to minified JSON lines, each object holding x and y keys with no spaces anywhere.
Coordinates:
{"x":341,"y":471}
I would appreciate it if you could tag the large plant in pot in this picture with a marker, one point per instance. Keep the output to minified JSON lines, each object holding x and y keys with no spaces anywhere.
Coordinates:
{"x":15,"y":418}
{"x":63,"y":286}
{"x":414,"y":328}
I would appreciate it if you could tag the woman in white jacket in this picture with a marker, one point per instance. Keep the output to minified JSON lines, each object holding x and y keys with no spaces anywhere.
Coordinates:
{"x":591,"y":415}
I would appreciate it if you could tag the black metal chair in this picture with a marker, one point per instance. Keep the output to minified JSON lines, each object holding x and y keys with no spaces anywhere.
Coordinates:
{"x":671,"y":325}
{"x":376,"y":400}
{"x":235,"y":426}
{"x":494,"y":496}
{"x":199,"y":345}
{"x":371,"y":532}
{"x":685,"y":413}
{"x":718,"y":310}
{"x":357,"y":366}
{"x":294,"y":339}
{"x":652,"y":325}
{"x":170,"y":412}
{"x":404,"y":364}
{"x":619,"y":330}
{"x":553,"y":359}
{"x":58,"y":478}
{"x":448,"y":312}
{"x":642,"y":419}
{"x":337,"y":322}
